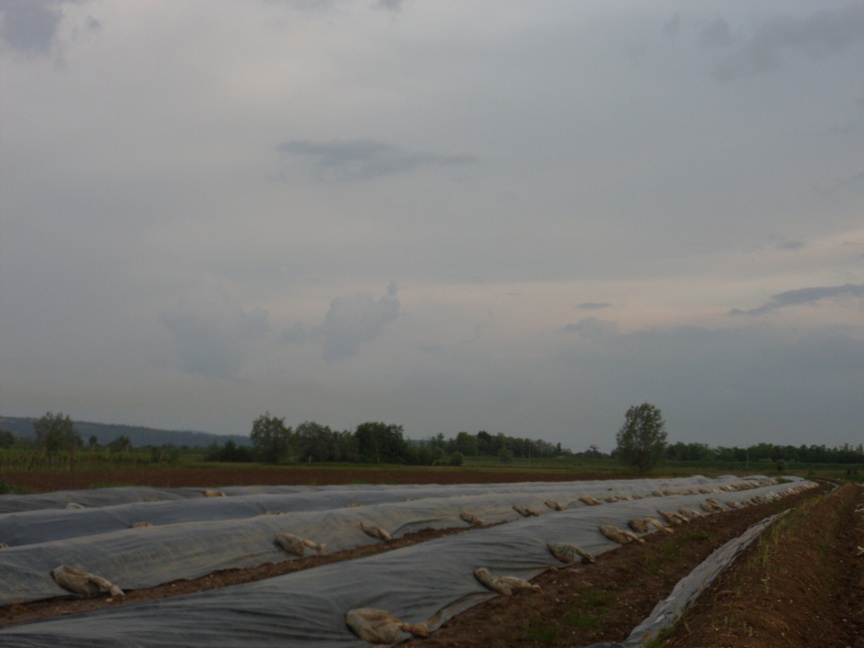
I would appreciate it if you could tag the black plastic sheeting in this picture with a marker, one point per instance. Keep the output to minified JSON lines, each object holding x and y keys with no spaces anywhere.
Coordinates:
{"x":428,"y":582}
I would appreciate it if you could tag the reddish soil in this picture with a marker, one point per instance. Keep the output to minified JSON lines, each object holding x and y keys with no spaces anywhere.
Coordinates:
{"x":579,"y":606}
{"x":40,"y":482}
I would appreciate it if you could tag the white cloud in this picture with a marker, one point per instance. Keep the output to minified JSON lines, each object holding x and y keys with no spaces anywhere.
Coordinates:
{"x":211,"y":336}
{"x":350,"y":322}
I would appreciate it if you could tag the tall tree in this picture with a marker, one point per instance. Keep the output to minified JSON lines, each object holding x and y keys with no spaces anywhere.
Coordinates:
{"x":314,"y":442}
{"x":379,"y":442}
{"x":56,"y":433}
{"x":466,"y":444}
{"x":642,"y":438}
{"x":271,"y":439}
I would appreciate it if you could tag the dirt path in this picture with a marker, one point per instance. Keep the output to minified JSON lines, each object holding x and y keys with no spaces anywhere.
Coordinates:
{"x":802,"y":585}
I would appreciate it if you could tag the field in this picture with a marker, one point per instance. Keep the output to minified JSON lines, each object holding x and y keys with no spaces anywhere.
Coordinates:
{"x":805,"y":561}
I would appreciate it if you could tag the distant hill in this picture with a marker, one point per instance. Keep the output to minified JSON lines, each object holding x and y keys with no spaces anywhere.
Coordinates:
{"x":139,"y":436}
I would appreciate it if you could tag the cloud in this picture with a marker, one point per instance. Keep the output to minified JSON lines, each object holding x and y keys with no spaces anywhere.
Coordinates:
{"x":30,"y":26}
{"x":732,"y":384}
{"x":593,"y":329}
{"x":592,"y":305}
{"x":672,"y":27}
{"x":354,"y":320}
{"x":716,"y":34}
{"x":295,"y":334}
{"x":804,"y":296}
{"x":391,"y":5}
{"x":821,"y":34}
{"x":211,"y":336}
{"x":361,"y":159}
{"x":790,"y":245}
{"x":350,"y":322}
{"x":851,"y":180}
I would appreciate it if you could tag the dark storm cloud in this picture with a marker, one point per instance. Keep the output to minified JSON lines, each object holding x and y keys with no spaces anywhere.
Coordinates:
{"x":804,"y":296}
{"x":362,"y":158}
{"x":823,"y":33}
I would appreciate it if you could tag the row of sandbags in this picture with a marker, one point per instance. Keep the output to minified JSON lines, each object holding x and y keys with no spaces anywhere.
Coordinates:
{"x":145,"y":555}
{"x":418,"y":586}
{"x":162,"y":506}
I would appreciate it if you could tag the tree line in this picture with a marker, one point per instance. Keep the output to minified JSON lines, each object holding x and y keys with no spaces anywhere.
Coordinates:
{"x":373,"y":443}
{"x":641,"y":444}
{"x":55,"y":434}
{"x":845,"y":454}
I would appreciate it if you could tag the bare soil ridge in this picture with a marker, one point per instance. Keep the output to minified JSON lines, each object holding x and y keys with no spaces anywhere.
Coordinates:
{"x":801,"y":585}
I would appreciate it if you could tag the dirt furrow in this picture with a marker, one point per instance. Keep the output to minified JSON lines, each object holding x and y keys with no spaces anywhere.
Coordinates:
{"x":802,"y":584}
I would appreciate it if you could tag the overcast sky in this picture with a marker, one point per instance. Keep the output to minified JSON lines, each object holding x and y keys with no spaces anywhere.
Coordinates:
{"x":519,"y":216}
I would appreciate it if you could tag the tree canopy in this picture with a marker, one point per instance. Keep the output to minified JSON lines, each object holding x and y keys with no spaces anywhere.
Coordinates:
{"x":642,"y":438}
{"x":271,"y":439}
{"x":56,"y":433}
{"x":379,"y":442}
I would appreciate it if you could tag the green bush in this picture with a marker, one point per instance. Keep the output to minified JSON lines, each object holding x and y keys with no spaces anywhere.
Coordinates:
{"x":231,"y":452}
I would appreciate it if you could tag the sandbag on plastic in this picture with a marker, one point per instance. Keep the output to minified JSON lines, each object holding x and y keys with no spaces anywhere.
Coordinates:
{"x":112,"y":509}
{"x":505,"y":585}
{"x":524,"y":511}
{"x":189,"y":505}
{"x":642,"y":525}
{"x":620,"y":536}
{"x":570,"y":553}
{"x":296,"y":545}
{"x":83,"y":583}
{"x":374,"y":531}
{"x":379,"y":626}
